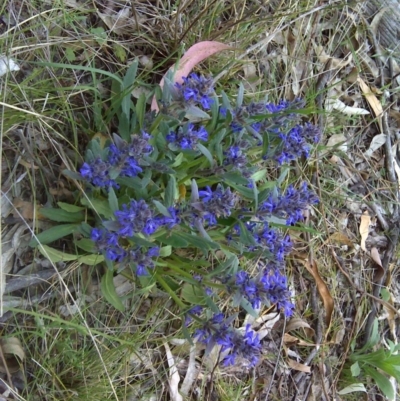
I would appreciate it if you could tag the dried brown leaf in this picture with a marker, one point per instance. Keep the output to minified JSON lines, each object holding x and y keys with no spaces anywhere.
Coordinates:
{"x":379,"y":270}
{"x":373,"y":101}
{"x":296,"y":323}
{"x":13,"y":353}
{"x":323,"y":291}
{"x":341,"y":239}
{"x":298,"y":366}
{"x":364,"y":228}
{"x":25,"y":209}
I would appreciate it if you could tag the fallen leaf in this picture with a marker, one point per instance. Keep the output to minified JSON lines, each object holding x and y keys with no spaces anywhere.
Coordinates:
{"x":323,"y":291}
{"x":323,"y":57}
{"x":121,"y":22}
{"x":25,"y":210}
{"x":296,"y":323}
{"x":289,"y":339}
{"x":336,"y":104}
{"x":379,"y":270}
{"x":195,"y":54}
{"x":298,"y":366}
{"x":376,"y":143}
{"x":373,"y":101}
{"x":341,"y":239}
{"x":7,"y":64}
{"x":364,"y":228}
{"x":174,"y":377}
{"x":14,"y":355}
{"x":337,"y":141}
{"x":397,"y":169}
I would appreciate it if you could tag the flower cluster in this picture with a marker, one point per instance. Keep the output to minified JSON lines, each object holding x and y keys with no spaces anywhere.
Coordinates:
{"x":218,"y":331}
{"x":269,"y":286}
{"x":123,"y":159}
{"x":229,"y":212}
{"x":196,"y":90}
{"x":187,"y":137}
{"x":97,"y":173}
{"x":289,"y":205}
{"x":136,"y":218}
{"x":213,"y":204}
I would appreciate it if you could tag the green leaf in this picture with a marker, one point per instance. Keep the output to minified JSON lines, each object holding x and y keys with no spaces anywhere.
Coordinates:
{"x":193,"y":294}
{"x":54,"y":255}
{"x":53,"y":234}
{"x":127,"y":87}
{"x":198,"y":242}
{"x":166,"y":251}
{"x":206,"y":153}
{"x":161,"y":208}
{"x":112,"y":200}
{"x":355,"y":369}
{"x":109,"y":292}
{"x":61,"y":216}
{"x":193,"y":113}
{"x":139,"y":240}
{"x":178,"y":160}
{"x":255,"y":194}
{"x":246,"y":237}
{"x":385,"y":294}
{"x":381,"y":381}
{"x":239,"y":99}
{"x":259,"y":175}
{"x":91,"y":260}
{"x":170,"y":192}
{"x":232,"y":263}
{"x":141,"y":109}
{"x":174,"y":240}
{"x":353,"y":388}
{"x":70,"y":208}
{"x":246,"y":305}
{"x":100,"y":206}
{"x":131,"y":182}
{"x":86,"y":244}
{"x":235,"y":178}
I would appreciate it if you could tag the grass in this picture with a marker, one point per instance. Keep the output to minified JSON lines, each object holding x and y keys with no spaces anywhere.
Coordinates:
{"x":64,"y":95}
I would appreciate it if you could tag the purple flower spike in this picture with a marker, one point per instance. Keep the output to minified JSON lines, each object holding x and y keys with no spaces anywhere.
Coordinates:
{"x":97,"y":173}
{"x":196,"y":90}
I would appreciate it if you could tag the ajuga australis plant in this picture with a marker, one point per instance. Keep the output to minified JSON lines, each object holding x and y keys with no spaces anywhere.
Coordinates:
{"x":181,"y":196}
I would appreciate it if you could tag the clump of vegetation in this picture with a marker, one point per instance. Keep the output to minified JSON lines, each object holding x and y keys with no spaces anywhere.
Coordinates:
{"x":186,"y":196}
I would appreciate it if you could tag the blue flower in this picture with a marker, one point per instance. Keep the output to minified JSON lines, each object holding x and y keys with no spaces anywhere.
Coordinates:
{"x":106,"y":242}
{"x":125,"y":157}
{"x":268,"y":287}
{"x":218,"y":331}
{"x":141,"y":261}
{"x":196,"y":311}
{"x":293,"y":145}
{"x":187,"y":137}
{"x":196,"y":90}
{"x":213,"y":204}
{"x":97,"y":173}
{"x":289,"y":205}
{"x":136,"y":218}
{"x":127,"y":165}
{"x":234,"y":156}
